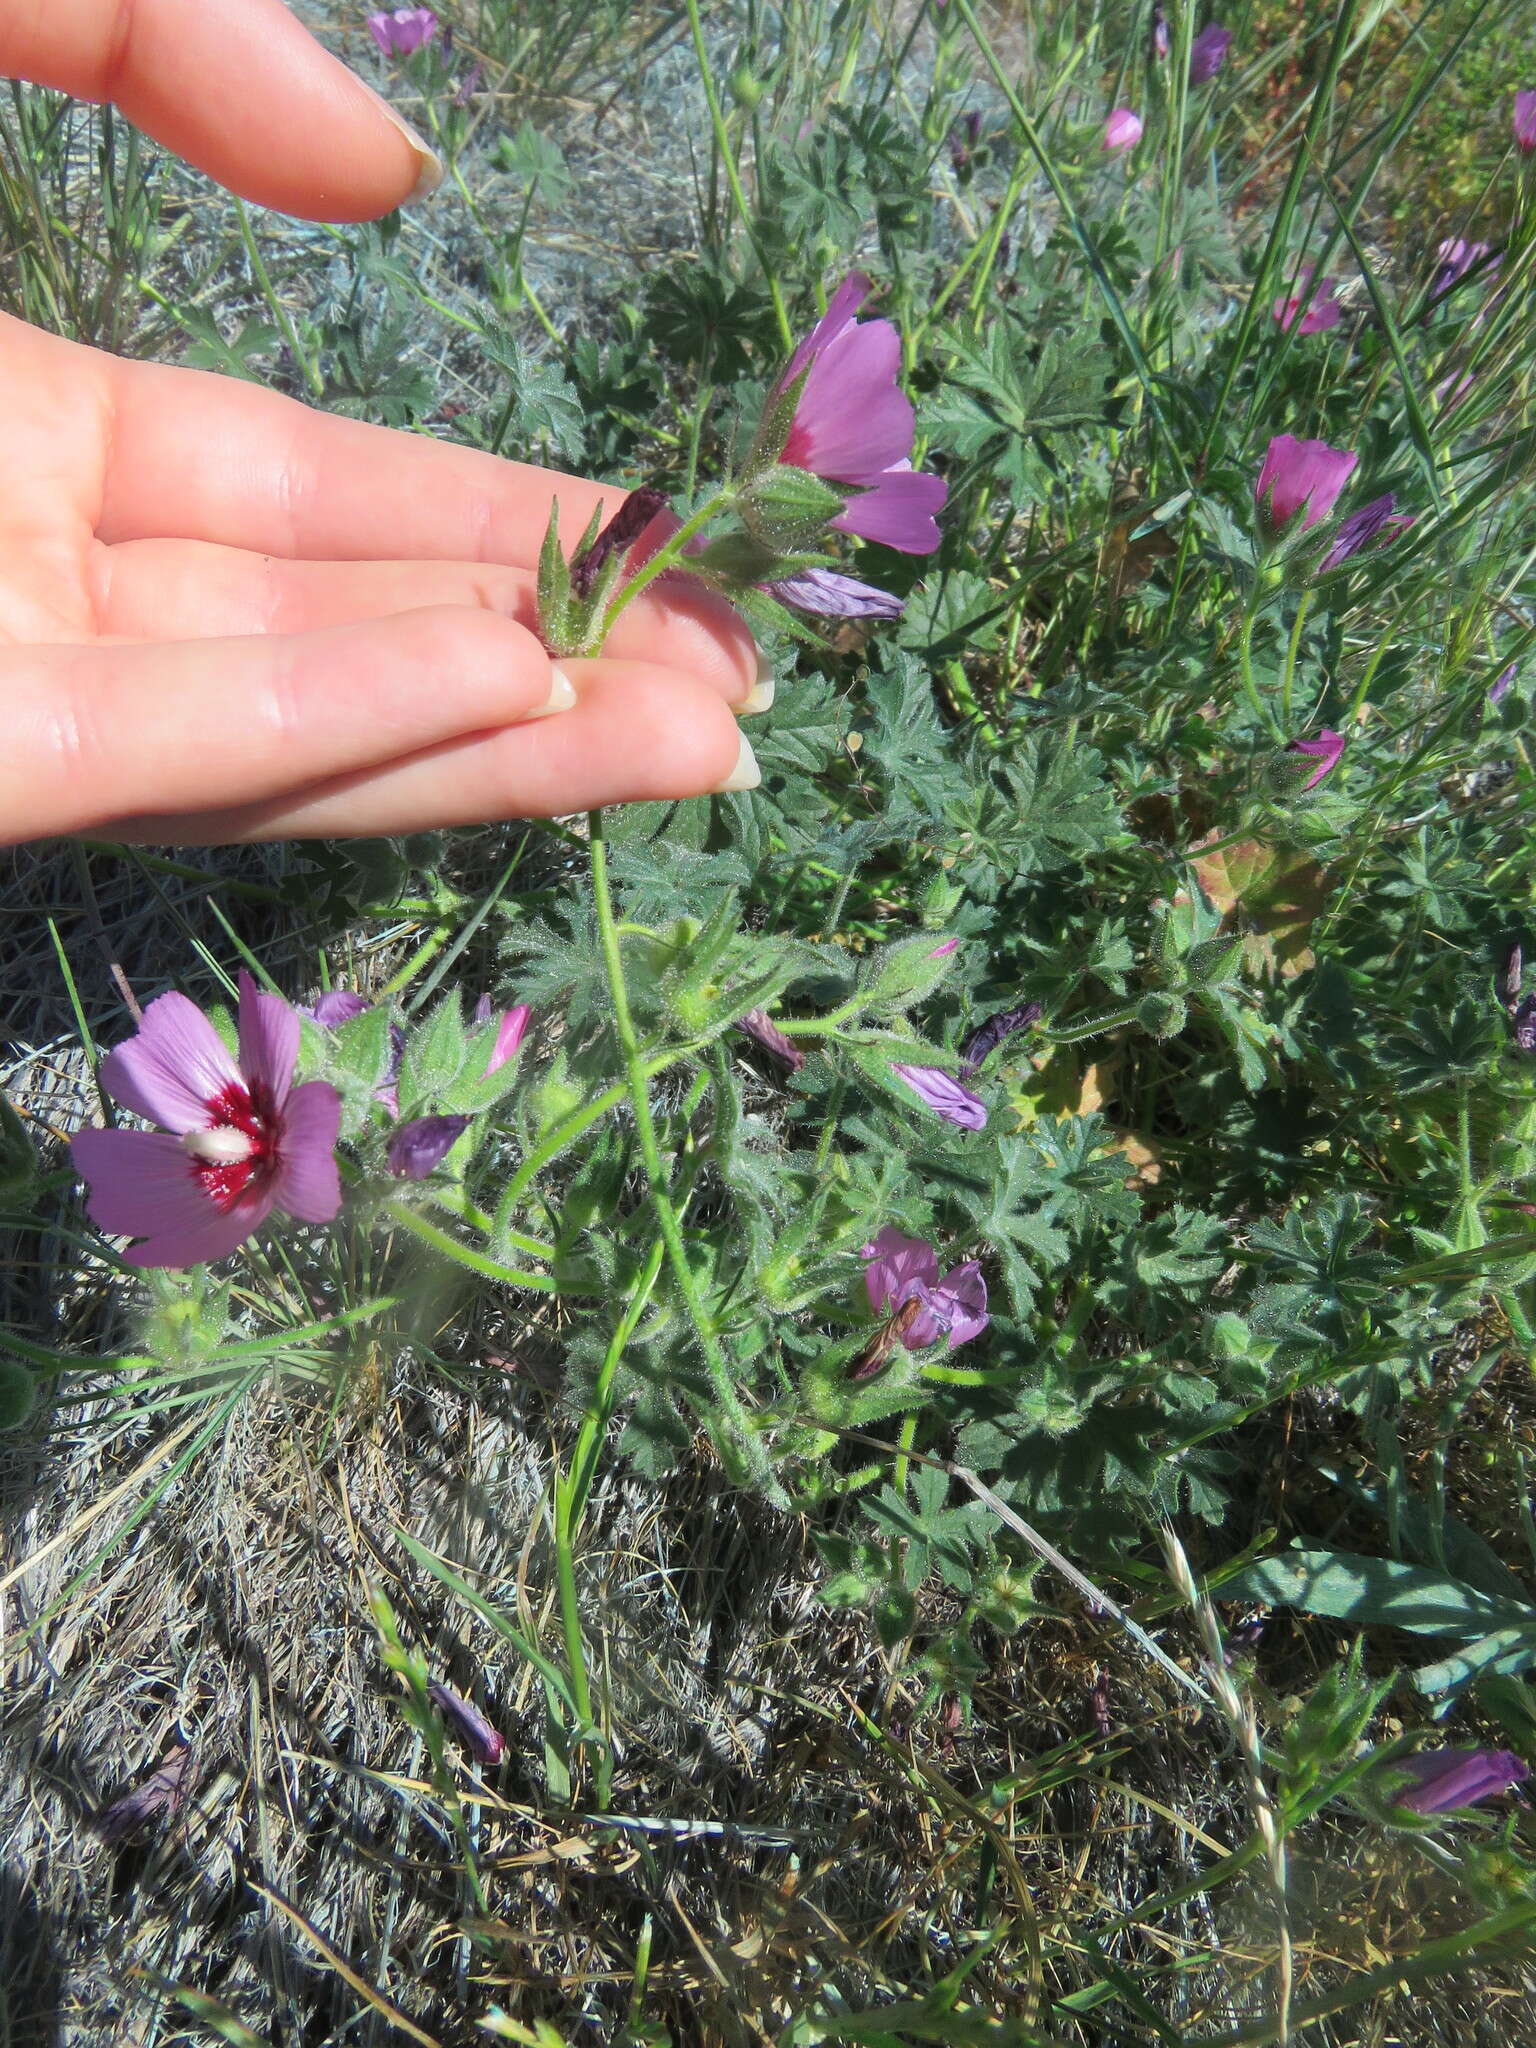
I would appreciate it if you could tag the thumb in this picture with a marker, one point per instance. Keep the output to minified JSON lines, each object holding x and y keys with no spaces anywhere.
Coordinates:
{"x":235,"y":86}
{"x":99,"y":732}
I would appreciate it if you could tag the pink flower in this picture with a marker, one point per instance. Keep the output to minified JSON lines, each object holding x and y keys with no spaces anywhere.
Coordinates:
{"x":1525,"y":122}
{"x":759,"y":1025}
{"x":1454,"y":259}
{"x":1440,"y":1780}
{"x":903,"y":1270}
{"x":1123,"y":129}
{"x":1208,"y":52}
{"x":1309,"y":311}
{"x":945,"y":1096}
{"x":510,"y":1033}
{"x":1300,"y":473}
{"x":854,"y":425}
{"x":1325,"y":750}
{"x":242,"y":1140}
{"x":400,"y":31}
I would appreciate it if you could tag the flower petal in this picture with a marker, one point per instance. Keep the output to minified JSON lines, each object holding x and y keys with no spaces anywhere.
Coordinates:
{"x":269,"y":1039}
{"x":961,"y":1296}
{"x":898,"y":1266}
{"x":142,"y":1184}
{"x":898,"y":509}
{"x":853,"y":419}
{"x":175,"y":1066}
{"x":841,"y":307}
{"x":307,"y":1183}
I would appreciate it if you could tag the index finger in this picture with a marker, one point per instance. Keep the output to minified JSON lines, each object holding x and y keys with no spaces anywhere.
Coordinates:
{"x":235,"y":86}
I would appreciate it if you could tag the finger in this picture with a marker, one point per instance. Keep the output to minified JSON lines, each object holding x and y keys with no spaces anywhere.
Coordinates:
{"x":235,"y":86}
{"x":638,"y":732}
{"x":196,"y":456}
{"x":93,"y":732}
{"x":190,"y":590}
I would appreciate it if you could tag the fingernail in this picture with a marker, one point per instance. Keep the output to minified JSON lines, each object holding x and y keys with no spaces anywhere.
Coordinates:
{"x":562,"y":696}
{"x":430,"y":174}
{"x":745,"y":775}
{"x":758,"y":698}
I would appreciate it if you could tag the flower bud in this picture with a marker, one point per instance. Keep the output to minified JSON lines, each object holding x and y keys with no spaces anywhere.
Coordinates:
{"x":746,"y":88}
{"x":1162,"y":1014}
{"x":785,"y":508}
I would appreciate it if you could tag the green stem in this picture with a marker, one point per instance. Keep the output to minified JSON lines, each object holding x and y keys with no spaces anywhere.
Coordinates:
{"x":280,"y":312}
{"x":662,"y":560}
{"x":1261,"y":710}
{"x":462,"y":1255}
{"x":566,"y":1132}
{"x":1304,"y":605}
{"x":733,"y":176}
{"x":721,"y":1379}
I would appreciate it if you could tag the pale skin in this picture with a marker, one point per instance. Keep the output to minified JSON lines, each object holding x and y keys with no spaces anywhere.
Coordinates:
{"x":224,"y":615}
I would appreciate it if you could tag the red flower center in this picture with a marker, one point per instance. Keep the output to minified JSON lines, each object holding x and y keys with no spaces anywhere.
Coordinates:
{"x":220,"y":1166}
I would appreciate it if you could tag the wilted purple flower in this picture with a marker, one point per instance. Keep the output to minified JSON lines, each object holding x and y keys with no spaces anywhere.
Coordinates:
{"x":238,"y":1140}
{"x":903,"y":1271}
{"x":484,"y":1743}
{"x":510,"y":1033}
{"x":988,"y":1036}
{"x":1309,"y":310}
{"x":828,"y":594}
{"x":1525,"y":122}
{"x":1123,"y":129}
{"x":1498,"y":689}
{"x":1325,"y":750}
{"x":400,"y":31}
{"x":1455,"y":259}
{"x":1239,"y":1641}
{"x":1161,"y":41}
{"x":468,"y":86}
{"x":1371,"y":520}
{"x":339,"y":1006}
{"x":1523,"y":1024}
{"x":1208,"y":52}
{"x":636,"y":513}
{"x":759,"y":1025}
{"x":336,"y":1006}
{"x":164,"y":1791}
{"x":853,"y":425}
{"x":1298,"y":474}
{"x":1440,"y":1780}
{"x":945,"y":1096}
{"x":423,"y":1144}
{"x":963,"y":138}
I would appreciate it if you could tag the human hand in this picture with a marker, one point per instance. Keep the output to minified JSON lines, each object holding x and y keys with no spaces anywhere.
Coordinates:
{"x":226,"y":616}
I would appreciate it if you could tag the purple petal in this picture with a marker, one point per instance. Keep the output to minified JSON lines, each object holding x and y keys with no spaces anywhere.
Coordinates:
{"x":420,"y":1146}
{"x":898,"y":1267}
{"x":269,"y":1039}
{"x":1498,"y":690}
{"x":830,"y":595}
{"x":509,"y":1037}
{"x":987,"y":1037}
{"x":1443,"y":1779}
{"x":485,"y":1744}
{"x":853,"y":419}
{"x":759,"y":1025}
{"x":143,"y":1185}
{"x":163,"y":1791}
{"x":1123,"y":129}
{"x":175,"y":1066}
{"x":1525,"y":122}
{"x":897,"y":509}
{"x":337,"y":1006}
{"x":945,"y":1096}
{"x":841,"y":308}
{"x":1326,"y":750}
{"x":307,"y":1183}
{"x":1297,"y":474}
{"x":960,"y":1300}
{"x":1208,"y":52}
{"x":1376,"y":518}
